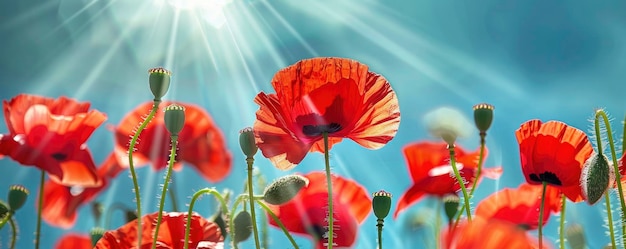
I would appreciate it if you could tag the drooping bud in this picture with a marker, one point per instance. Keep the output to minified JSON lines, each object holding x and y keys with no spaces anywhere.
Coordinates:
{"x":447,"y":124}
{"x":284,"y":189}
{"x":96,"y":234}
{"x":381,"y":203}
{"x":243,"y":226}
{"x":246,"y":141}
{"x":595,"y":178}
{"x":483,"y":116}
{"x":174,"y":118}
{"x":451,"y":206}
{"x":575,"y":236}
{"x":17,"y":197}
{"x":159,"y":82}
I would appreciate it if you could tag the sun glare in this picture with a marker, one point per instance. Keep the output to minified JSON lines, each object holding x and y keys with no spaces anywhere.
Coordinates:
{"x":208,"y":10}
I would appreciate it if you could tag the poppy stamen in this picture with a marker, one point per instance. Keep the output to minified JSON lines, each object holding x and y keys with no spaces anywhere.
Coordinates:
{"x":547,"y":176}
{"x":318,"y":130}
{"x":59,"y":156}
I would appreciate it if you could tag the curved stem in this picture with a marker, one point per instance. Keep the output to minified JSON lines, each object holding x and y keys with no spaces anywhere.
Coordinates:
{"x":109,"y":213}
{"x":195,"y":197}
{"x":13,"y":232}
{"x":610,"y":219}
{"x":380,"y":224}
{"x":231,"y":222}
{"x":39,"y":208}
{"x":562,"y":225}
{"x":329,"y":183}
{"x":172,"y":194}
{"x":280,"y":223}
{"x":131,"y":166}
{"x":481,"y":159}
{"x":543,"y":202}
{"x":166,"y":182}
{"x":255,"y":231}
{"x":459,"y":178}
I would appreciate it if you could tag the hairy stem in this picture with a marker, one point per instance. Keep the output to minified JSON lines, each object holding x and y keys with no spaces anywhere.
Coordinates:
{"x":39,"y":208}
{"x":280,"y":223}
{"x":166,"y":182}
{"x":461,"y":182}
{"x":204,"y":191}
{"x":329,"y":183}
{"x":610,"y":219}
{"x":562,"y":225}
{"x":255,"y":231}
{"x":541,"y":207}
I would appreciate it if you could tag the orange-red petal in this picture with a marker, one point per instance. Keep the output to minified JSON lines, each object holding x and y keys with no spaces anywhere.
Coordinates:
{"x":74,"y":241}
{"x":488,"y":234}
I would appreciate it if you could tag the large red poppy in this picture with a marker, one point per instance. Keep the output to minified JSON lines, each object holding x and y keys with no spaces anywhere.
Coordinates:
{"x":333,"y":95}
{"x":74,"y":241}
{"x":488,"y":234}
{"x":520,"y":206}
{"x":61,"y":203}
{"x":432,"y":174}
{"x":203,"y":233}
{"x":555,"y":153}
{"x":306,"y":213}
{"x":50,"y":134}
{"x":200,"y":143}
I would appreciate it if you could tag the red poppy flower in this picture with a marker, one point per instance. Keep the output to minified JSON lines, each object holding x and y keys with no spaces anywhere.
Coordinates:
{"x":520,"y":206}
{"x":200,"y":143}
{"x":203,"y":233}
{"x":306,"y":213}
{"x":74,"y":241}
{"x":50,"y":134}
{"x":432,"y":174}
{"x":333,"y":95}
{"x":488,"y":234}
{"x":555,"y":153}
{"x":61,"y":203}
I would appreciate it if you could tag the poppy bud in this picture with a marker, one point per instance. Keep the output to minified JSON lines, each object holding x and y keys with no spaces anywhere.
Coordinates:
{"x":451,"y":205}
{"x":447,"y":124}
{"x":284,"y":189}
{"x":483,"y":115}
{"x":130,"y":215}
{"x":595,"y":177}
{"x":243,"y":226}
{"x":97,"y":209}
{"x":174,"y":118}
{"x":159,"y":82}
{"x":381,"y":204}
{"x":575,"y":237}
{"x":17,"y":197}
{"x":4,"y":210}
{"x":246,"y":141}
{"x":96,"y":233}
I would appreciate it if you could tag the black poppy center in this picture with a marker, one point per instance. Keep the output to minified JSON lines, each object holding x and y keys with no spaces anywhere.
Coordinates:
{"x":547,"y":176}
{"x":59,"y":156}
{"x":317,"y":231}
{"x":317,"y":130}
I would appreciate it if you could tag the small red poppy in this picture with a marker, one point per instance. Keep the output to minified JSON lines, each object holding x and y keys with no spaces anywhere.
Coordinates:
{"x":333,"y":95}
{"x":520,"y":206}
{"x":306,"y":213}
{"x":50,"y":134}
{"x":488,"y":234}
{"x":74,"y":241}
{"x":203,"y":233}
{"x":555,"y":153}
{"x":61,"y":203}
{"x":432,"y":174}
{"x":200,"y":143}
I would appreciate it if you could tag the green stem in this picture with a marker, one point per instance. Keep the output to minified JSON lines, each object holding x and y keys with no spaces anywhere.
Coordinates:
{"x":438,"y":222}
{"x":13,"y":232}
{"x":172,"y":193}
{"x":601,"y":113}
{"x":562,"y":225}
{"x":113,"y":207}
{"x":255,"y":231}
{"x":610,"y":219}
{"x":543,"y":201}
{"x":207,"y":191}
{"x":231,"y":222}
{"x":481,"y":158}
{"x":624,"y":137}
{"x":39,"y":208}
{"x":166,"y":182}
{"x":380,"y":224}
{"x":461,"y":182}
{"x":264,"y":226}
{"x":131,"y":166}
{"x":329,"y":183}
{"x":280,"y":223}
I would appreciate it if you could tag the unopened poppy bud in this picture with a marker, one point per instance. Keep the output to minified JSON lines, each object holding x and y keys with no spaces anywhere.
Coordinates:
{"x":284,"y":189}
{"x":483,"y":116}
{"x":96,"y":234}
{"x":17,"y":197}
{"x":4,"y":210}
{"x":246,"y":141}
{"x":595,"y":177}
{"x":381,"y":203}
{"x":130,"y":215}
{"x":97,"y":209}
{"x":159,"y":82}
{"x":174,"y":118}
{"x":451,"y":205}
{"x":575,"y":236}
{"x":447,"y":124}
{"x":243,"y":226}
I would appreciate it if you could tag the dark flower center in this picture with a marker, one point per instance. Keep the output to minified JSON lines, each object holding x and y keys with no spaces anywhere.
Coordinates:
{"x":59,"y":156}
{"x":317,"y":232}
{"x":317,"y":130}
{"x":547,"y":176}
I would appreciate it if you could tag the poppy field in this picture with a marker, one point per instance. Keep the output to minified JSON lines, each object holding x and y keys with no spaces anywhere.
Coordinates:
{"x":308,"y":138}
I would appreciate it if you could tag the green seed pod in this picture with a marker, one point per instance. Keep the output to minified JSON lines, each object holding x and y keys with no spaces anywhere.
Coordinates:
{"x":381,"y":204}
{"x":243,"y":226}
{"x":96,"y":234}
{"x":483,"y":116}
{"x":17,"y":197}
{"x":174,"y":118}
{"x":451,"y":205}
{"x":284,"y":189}
{"x":595,"y":177}
{"x":246,"y":141}
{"x":575,"y":237}
{"x":159,"y":82}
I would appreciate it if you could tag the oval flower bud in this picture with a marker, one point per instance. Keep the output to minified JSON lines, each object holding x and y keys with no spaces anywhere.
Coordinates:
{"x":243,"y":226}
{"x":247,"y":143}
{"x":381,"y":204}
{"x":451,"y":205}
{"x":575,"y":236}
{"x":483,"y":116}
{"x":447,"y":124}
{"x":284,"y":189}
{"x":159,"y":82}
{"x":96,"y":234}
{"x":595,"y":177}
{"x":17,"y":197}
{"x":174,"y":118}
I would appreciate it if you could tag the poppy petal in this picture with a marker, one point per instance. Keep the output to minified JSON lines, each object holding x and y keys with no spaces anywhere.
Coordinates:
{"x":488,"y":234}
{"x":74,"y":241}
